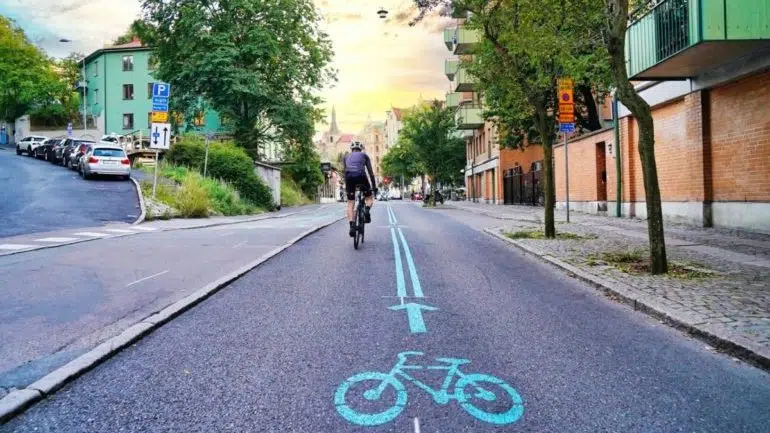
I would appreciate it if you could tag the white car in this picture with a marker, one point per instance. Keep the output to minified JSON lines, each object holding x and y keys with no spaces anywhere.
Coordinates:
{"x":395,"y":194}
{"x":29,"y":144}
{"x":106,"y":159}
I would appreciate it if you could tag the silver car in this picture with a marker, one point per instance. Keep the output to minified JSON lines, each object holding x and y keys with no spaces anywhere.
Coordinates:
{"x":107,"y":160}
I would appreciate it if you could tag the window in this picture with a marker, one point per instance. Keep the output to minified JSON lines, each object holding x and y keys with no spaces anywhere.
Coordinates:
{"x":96,"y":96}
{"x":149,"y":119}
{"x":199,"y":119}
{"x":128,"y":63}
{"x":96,"y":68}
{"x":117,"y":153}
{"x":128,"y":120}
{"x":128,"y":91}
{"x":149,"y":90}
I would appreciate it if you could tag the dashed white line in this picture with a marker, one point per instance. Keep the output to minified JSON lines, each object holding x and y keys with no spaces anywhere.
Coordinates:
{"x":119,"y":231}
{"x":416,"y":425}
{"x":146,"y":278}
{"x":145,"y":229}
{"x":92,"y":234}
{"x":56,"y":240}
{"x":14,"y":247}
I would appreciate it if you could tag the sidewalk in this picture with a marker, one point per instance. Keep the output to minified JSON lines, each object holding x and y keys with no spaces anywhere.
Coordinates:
{"x":725,"y":300}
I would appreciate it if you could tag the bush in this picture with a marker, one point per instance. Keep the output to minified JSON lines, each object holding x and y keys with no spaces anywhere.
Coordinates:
{"x":192,"y":200}
{"x":291,"y":195}
{"x":227,"y":162}
{"x":225,"y":199}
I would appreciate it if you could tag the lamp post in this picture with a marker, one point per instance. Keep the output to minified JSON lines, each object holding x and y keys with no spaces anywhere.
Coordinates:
{"x":85,"y":120}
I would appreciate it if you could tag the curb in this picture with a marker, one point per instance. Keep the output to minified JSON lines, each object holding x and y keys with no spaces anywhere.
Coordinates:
{"x":19,"y":400}
{"x":141,"y":202}
{"x":734,"y":345}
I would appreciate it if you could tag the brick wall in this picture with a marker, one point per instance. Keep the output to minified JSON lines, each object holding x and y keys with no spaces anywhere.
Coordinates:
{"x":740,"y":139}
{"x":585,"y":167}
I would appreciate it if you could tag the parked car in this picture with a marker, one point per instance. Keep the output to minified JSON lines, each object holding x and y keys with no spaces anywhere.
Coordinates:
{"x":395,"y":194}
{"x":74,"y":151}
{"x":55,"y":154}
{"x":41,"y":151}
{"x":105,"y":159}
{"x":29,"y":143}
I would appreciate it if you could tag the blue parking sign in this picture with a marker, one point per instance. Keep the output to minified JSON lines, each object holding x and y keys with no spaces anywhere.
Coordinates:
{"x":161,"y":90}
{"x":566,"y":127}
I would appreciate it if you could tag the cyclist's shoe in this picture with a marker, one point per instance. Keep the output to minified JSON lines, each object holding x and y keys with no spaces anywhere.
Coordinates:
{"x":367,"y":215}
{"x":352,"y":231}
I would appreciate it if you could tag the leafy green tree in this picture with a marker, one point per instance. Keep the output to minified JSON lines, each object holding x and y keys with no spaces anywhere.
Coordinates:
{"x":401,"y":162}
{"x":430,"y":130}
{"x":27,"y":78}
{"x":138,"y":29}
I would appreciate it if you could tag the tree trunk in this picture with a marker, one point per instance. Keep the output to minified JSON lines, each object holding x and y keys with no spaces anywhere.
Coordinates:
{"x":616,"y":37}
{"x":592,"y":123}
{"x":545,"y":126}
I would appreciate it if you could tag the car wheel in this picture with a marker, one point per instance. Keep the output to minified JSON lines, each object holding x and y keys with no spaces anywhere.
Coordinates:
{"x":18,"y":150}
{"x":29,"y":151}
{"x":86,"y":176}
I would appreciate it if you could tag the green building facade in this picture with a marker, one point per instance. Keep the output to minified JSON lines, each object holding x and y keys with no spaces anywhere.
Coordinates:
{"x":119,"y":91}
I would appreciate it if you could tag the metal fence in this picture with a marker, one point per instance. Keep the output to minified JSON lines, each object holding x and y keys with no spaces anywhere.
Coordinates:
{"x":672,"y":27}
{"x":521,"y":188}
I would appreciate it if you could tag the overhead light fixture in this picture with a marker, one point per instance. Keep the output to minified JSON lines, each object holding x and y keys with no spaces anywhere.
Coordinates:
{"x":382,"y":13}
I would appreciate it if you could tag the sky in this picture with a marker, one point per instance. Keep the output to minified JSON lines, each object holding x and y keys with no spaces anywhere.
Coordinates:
{"x":380,"y":63}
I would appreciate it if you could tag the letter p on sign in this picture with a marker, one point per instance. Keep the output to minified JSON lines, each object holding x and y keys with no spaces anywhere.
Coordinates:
{"x":161,"y":90}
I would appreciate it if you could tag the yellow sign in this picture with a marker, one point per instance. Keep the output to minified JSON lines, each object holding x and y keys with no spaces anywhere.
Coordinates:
{"x":160,"y":117}
{"x":566,"y":117}
{"x":565,"y":91}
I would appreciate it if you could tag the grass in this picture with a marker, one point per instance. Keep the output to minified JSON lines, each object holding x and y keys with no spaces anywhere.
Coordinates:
{"x":638,"y":262}
{"x":291,"y":195}
{"x":540,"y":234}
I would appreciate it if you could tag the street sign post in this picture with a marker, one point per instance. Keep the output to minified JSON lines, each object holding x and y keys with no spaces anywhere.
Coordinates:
{"x":160,"y":129}
{"x":161,"y":90}
{"x":566,"y":123}
{"x":69,"y":129}
{"x":159,"y":117}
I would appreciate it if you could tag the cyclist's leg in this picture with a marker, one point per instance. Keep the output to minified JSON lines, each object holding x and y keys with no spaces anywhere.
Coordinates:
{"x":350,"y":190}
{"x":368,"y":199}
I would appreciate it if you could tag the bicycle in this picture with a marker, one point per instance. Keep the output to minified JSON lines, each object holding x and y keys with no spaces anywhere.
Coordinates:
{"x":441,"y":396}
{"x":359,"y":219}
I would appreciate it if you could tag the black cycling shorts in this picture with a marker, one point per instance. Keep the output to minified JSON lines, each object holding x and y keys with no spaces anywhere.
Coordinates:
{"x":352,"y":181}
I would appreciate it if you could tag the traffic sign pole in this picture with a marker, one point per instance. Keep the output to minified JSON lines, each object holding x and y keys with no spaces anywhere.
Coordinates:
{"x":155,"y":180}
{"x":566,"y":169}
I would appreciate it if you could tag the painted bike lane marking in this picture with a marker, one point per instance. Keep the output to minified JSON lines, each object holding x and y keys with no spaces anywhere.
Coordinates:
{"x":480,"y":395}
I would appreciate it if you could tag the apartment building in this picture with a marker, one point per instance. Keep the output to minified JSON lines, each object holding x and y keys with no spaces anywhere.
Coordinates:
{"x":372,"y":135}
{"x":119,"y":91}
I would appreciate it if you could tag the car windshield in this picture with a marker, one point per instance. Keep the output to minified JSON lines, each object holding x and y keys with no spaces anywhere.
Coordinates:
{"x":118,"y":153}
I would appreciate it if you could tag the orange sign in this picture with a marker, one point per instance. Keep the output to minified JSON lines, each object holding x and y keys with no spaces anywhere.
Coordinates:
{"x":159,"y":117}
{"x":566,"y":117}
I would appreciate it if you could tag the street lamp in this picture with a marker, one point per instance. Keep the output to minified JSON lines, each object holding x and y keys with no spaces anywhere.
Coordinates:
{"x":85,"y":120}
{"x":382,"y":13}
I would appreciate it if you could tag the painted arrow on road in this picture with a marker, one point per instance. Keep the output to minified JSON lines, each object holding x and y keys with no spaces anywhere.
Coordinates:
{"x":414,"y":312}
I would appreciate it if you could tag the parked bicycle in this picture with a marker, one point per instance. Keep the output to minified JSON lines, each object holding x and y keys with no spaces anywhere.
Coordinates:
{"x":476,"y":393}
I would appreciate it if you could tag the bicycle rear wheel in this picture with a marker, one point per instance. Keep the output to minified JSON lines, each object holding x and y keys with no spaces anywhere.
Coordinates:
{"x":357,"y":226}
{"x":362,"y":223}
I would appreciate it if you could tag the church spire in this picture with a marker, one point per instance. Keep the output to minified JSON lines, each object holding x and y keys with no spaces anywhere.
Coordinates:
{"x":333,"y":129}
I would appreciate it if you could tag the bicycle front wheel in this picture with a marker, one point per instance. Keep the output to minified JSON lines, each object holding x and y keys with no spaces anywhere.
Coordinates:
{"x":363,"y":387}
{"x":491,"y":392}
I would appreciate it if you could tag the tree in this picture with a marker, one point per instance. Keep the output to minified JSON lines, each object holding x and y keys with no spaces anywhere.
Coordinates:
{"x":138,"y":29}
{"x":616,"y":24}
{"x":401,"y":162}
{"x":431,"y":131}
{"x":27,"y":78}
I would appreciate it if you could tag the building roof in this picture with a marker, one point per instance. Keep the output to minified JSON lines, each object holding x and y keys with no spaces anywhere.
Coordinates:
{"x":397,"y":113}
{"x":134,"y":45}
{"x":346,"y":138}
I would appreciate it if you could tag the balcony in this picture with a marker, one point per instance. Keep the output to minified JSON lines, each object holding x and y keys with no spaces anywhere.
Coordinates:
{"x":449,"y":38}
{"x":464,"y":40}
{"x":450,"y":68}
{"x":453,"y":99}
{"x":680,"y":39}
{"x":469,"y":117}
{"x":464,"y":81}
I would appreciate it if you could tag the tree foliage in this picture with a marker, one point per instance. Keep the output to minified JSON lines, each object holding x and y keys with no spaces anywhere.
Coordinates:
{"x":27,"y":78}
{"x":401,"y":161}
{"x":430,"y":131}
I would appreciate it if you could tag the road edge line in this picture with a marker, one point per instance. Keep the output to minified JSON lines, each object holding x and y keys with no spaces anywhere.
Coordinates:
{"x":142,"y":215}
{"x":733,"y":345}
{"x":17,"y":401}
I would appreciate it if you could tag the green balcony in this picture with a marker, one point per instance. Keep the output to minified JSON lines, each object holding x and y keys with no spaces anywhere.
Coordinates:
{"x":465,"y":39}
{"x":450,"y":68}
{"x":464,"y":81}
{"x":469,"y":117}
{"x":681,"y":38}
{"x":449,"y":38}
{"x":453,"y":99}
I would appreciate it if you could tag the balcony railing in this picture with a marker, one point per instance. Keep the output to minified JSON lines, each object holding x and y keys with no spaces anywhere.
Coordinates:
{"x":469,"y":117}
{"x":449,"y":38}
{"x":450,"y":68}
{"x":452,"y":99}
{"x":464,"y":81}
{"x":465,"y":39}
{"x":681,"y":38}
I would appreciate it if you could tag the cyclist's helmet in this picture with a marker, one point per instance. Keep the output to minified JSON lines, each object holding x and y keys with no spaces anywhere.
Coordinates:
{"x":356,"y":145}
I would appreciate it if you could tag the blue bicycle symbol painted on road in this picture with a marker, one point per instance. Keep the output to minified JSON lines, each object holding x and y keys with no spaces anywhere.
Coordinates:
{"x":478,"y":394}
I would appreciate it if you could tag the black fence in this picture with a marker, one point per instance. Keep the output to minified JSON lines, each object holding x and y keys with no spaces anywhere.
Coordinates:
{"x":521,"y":188}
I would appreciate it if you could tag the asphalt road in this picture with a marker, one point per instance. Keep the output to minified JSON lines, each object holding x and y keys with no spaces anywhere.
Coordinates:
{"x":283,"y":349}
{"x":58,"y":303}
{"x":36,"y":196}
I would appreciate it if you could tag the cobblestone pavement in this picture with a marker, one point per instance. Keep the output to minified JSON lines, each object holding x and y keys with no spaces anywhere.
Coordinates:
{"x":731,"y":302}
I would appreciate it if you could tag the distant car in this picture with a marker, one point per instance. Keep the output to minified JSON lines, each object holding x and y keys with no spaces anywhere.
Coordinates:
{"x":29,"y":144}
{"x":55,"y":153}
{"x":395,"y":194}
{"x":417,"y":196}
{"x":80,"y":151}
{"x":41,"y":151}
{"x":107,"y":160}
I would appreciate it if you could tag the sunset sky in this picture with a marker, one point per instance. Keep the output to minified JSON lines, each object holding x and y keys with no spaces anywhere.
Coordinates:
{"x":380,"y":62}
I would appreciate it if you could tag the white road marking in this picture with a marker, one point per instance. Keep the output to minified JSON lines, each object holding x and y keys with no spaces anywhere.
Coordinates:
{"x":14,"y":247}
{"x":146,"y":229}
{"x":146,"y":278}
{"x":119,"y":231}
{"x":92,"y":234}
{"x":55,"y":240}
{"x":416,"y":425}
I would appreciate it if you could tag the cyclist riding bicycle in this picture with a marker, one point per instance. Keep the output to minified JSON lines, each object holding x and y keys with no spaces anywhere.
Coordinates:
{"x":356,"y":167}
